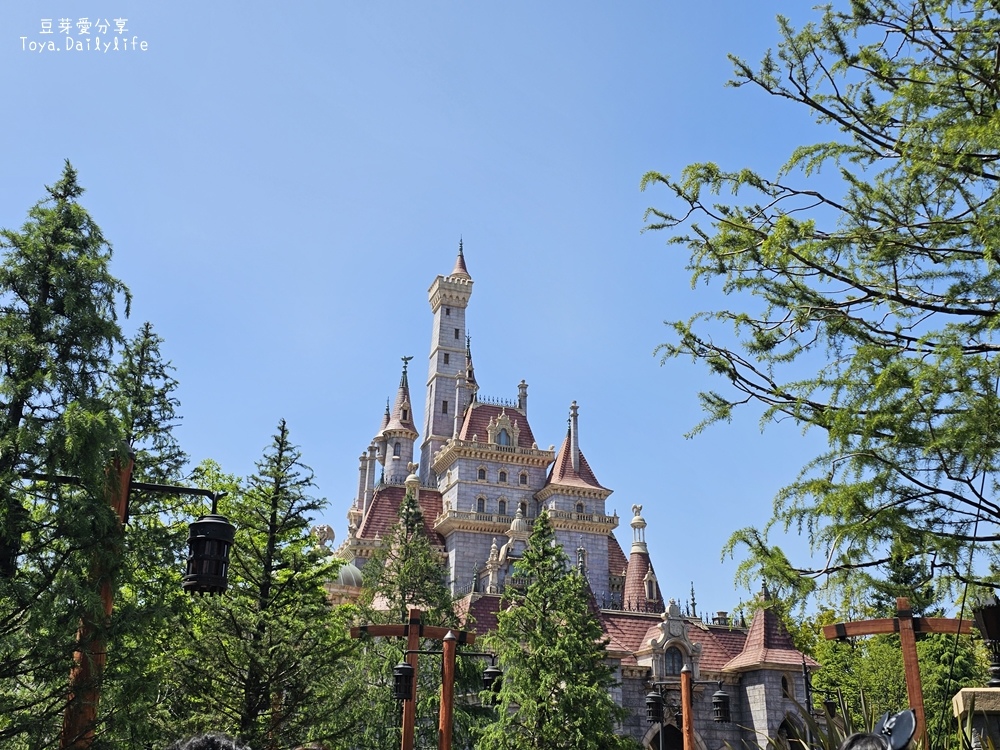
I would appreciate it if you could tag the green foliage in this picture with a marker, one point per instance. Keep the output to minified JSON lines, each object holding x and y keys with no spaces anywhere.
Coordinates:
{"x":261,"y":661}
{"x":58,"y":327}
{"x":405,"y":572}
{"x":867,"y":675}
{"x":863,"y":301}
{"x":556,"y":686}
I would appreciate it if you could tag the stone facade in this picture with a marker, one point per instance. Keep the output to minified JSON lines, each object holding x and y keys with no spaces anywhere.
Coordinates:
{"x":483,"y":478}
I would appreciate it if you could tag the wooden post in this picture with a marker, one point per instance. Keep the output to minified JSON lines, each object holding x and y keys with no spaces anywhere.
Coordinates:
{"x":687,"y":712}
{"x":90,"y":657}
{"x":410,"y":706}
{"x":413,"y":631}
{"x":907,"y":626}
{"x":447,"y":692}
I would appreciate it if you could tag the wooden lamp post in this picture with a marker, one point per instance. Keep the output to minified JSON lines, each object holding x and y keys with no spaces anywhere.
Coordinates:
{"x":405,"y":673}
{"x":207,"y":570}
{"x":907,"y":626}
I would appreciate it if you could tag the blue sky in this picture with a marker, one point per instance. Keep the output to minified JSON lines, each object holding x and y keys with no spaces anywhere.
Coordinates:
{"x":282,"y":182}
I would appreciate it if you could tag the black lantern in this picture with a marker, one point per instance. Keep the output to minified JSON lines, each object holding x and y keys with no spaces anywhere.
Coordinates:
{"x":209,"y":542}
{"x":402,"y":681}
{"x":491,"y":678}
{"x":654,"y":707}
{"x":987,"y":615}
{"x":720,"y":706}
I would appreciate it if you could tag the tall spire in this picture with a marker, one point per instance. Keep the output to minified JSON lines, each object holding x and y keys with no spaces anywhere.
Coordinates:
{"x":470,"y":371}
{"x":401,"y":416}
{"x":460,"y":269}
{"x":574,"y":436}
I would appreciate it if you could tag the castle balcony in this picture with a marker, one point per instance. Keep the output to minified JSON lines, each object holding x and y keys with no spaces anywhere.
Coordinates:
{"x":455,"y":449}
{"x":470,"y":520}
{"x":589,"y":522}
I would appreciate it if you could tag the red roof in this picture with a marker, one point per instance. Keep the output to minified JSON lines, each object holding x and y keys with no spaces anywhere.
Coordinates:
{"x":398,"y":420}
{"x":719,"y":644}
{"x":460,"y":269}
{"x":480,"y":610}
{"x":627,"y":631}
{"x":562,"y":471}
{"x":384,"y":512}
{"x":768,"y":642}
{"x":616,"y":558}
{"x":477,"y":420}
{"x":635,"y":581}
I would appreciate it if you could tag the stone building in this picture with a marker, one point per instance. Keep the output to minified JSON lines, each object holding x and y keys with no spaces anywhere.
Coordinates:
{"x":483,"y":478}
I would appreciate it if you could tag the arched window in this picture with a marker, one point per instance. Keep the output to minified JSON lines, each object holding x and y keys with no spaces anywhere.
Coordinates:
{"x":524,"y":508}
{"x":503,"y":438}
{"x":502,"y":507}
{"x":503,"y":477}
{"x":673,"y":661}
{"x":786,"y":691}
{"x":579,"y":507}
{"x":481,"y":475}
{"x":480,"y":505}
{"x":395,"y":450}
{"x":524,"y":478}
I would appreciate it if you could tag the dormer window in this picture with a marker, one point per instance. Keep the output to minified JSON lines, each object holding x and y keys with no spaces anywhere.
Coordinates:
{"x":503,"y":477}
{"x":503,"y":437}
{"x":406,"y":414}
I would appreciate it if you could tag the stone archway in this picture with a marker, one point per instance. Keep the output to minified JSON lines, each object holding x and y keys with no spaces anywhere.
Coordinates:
{"x":673,"y":739}
{"x":789,"y":735}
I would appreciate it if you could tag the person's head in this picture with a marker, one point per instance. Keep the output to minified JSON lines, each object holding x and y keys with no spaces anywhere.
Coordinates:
{"x":865,"y":741}
{"x":210,"y":741}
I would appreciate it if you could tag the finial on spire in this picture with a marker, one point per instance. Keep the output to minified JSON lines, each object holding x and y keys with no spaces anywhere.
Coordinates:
{"x":403,"y":380}
{"x":694,"y":607}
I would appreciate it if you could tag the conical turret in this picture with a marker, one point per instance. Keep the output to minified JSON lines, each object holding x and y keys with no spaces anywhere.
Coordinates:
{"x":400,"y":433}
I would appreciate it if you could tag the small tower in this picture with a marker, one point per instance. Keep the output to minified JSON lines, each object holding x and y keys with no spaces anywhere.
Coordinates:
{"x":641,"y":589}
{"x":449,"y":297}
{"x":399,"y":434}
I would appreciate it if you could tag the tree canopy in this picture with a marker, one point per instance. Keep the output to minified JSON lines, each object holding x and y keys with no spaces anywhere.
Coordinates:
{"x":556,"y":687}
{"x":863,"y":291}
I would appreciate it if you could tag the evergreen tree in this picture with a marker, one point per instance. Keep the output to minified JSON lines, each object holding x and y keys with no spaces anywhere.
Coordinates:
{"x":262,"y":662}
{"x":405,"y":571}
{"x":58,"y":326}
{"x":863,"y":299}
{"x":149,"y":600}
{"x":555,"y":691}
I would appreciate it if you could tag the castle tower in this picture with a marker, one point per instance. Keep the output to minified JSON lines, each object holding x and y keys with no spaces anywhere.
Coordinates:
{"x":448,"y":296}
{"x":576,"y":504}
{"x":642,"y":594}
{"x":400,"y":434}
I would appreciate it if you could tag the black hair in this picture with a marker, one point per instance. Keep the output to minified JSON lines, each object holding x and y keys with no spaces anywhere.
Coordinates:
{"x":210,"y":741}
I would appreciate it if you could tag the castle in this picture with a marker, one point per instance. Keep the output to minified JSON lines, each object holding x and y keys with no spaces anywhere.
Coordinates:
{"x":483,"y":479}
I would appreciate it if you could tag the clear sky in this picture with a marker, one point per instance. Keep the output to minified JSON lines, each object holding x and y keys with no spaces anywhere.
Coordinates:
{"x":282,"y":182}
